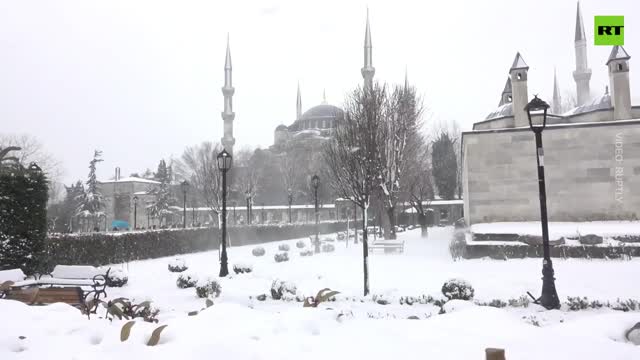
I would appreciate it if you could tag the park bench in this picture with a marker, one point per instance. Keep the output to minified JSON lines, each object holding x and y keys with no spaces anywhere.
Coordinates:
{"x":395,"y":245}
{"x":74,"y":285}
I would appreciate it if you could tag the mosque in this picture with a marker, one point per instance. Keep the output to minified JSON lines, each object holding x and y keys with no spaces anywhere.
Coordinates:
{"x":591,"y":152}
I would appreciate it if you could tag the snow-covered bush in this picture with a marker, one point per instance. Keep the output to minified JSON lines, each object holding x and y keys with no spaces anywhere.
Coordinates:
{"x":328,"y":248}
{"x":341,"y":236}
{"x":577,"y":303}
{"x":282,"y":289}
{"x":497,"y":303}
{"x":258,"y":251}
{"x":117,"y":277}
{"x":209,"y":286}
{"x":186,"y":281}
{"x":306,"y":253}
{"x":328,"y":239}
{"x":300,"y":244}
{"x":283,"y":247}
{"x":522,"y":301}
{"x":281,"y":257}
{"x":457,"y":289}
{"x":242,"y":268}
{"x":177,"y":265}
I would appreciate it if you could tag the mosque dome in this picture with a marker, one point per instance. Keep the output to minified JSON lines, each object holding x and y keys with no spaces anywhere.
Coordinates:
{"x":502,"y":111}
{"x":599,"y":103}
{"x":322,"y":111}
{"x":281,"y":127}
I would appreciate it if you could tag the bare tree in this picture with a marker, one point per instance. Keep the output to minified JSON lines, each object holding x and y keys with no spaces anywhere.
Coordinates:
{"x":569,"y":100}
{"x":417,"y":181}
{"x":246,"y":176}
{"x":402,"y":112}
{"x":353,"y":155}
{"x":32,"y":150}
{"x":198,"y":165}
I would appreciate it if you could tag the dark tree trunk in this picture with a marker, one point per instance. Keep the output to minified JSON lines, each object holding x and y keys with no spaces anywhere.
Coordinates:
{"x":365,"y":252}
{"x":422,"y":219}
{"x":392,"y":223}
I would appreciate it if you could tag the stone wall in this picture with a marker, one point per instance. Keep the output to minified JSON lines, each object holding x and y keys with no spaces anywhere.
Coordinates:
{"x":591,"y":173}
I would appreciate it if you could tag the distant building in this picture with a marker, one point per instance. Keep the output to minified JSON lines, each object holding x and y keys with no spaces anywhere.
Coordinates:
{"x":119,"y":201}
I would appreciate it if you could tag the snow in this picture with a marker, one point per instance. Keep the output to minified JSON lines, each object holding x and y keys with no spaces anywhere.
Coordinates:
{"x":239,"y":326}
{"x":76,"y":272}
{"x":560,"y":229}
{"x":14,"y":275}
{"x":130,"y":179}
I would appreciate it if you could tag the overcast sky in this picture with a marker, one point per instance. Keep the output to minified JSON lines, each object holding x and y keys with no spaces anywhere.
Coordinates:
{"x":141,"y":80}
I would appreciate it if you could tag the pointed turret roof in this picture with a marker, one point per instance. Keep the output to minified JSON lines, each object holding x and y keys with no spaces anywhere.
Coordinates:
{"x":618,"y":53}
{"x":507,"y":86}
{"x":518,"y":63}
{"x":579,"y":25}
{"x":227,"y":61}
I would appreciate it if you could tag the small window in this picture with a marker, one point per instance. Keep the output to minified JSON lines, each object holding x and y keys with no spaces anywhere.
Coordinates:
{"x":619,"y":67}
{"x":510,"y":98}
{"x":519,"y":76}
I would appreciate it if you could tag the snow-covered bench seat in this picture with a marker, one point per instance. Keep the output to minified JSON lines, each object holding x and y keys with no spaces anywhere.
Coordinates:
{"x":397,"y":245}
{"x":88,"y":279}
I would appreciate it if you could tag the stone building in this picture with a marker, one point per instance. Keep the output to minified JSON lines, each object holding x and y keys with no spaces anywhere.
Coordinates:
{"x":119,"y":201}
{"x":591,"y":152}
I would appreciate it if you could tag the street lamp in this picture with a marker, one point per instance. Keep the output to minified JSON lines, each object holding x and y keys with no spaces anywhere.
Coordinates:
{"x":290,"y":198}
{"x":135,"y":212}
{"x":224,"y":164}
{"x":185,"y":186}
{"x":537,"y":113}
{"x":315,"y":182}
{"x":247,"y":194}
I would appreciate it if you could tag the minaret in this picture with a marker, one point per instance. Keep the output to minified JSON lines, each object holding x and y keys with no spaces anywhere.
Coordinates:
{"x":406,"y":79}
{"x":324,"y":97}
{"x":368,"y":70}
{"x":228,"y":115}
{"x":557,"y":100}
{"x":618,"y":64}
{"x":298,"y":104}
{"x":582,"y":74}
{"x":507,"y":93}
{"x":518,"y":73}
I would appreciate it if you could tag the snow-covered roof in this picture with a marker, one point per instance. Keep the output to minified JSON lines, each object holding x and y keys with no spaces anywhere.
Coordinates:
{"x":598,"y":103}
{"x":260,"y":207}
{"x":501,"y":111}
{"x":518,"y":63}
{"x":131,"y":179}
{"x":618,"y":53}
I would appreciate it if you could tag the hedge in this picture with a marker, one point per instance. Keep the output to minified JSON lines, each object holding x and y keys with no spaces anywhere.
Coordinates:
{"x":23,"y":217}
{"x":501,"y":252}
{"x":99,"y":249}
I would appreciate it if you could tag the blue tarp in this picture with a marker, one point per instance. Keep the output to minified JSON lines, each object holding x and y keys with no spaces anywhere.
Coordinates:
{"x":120,"y":224}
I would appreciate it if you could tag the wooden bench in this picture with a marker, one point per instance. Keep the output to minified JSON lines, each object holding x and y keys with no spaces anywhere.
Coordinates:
{"x":396,"y":245}
{"x":70,"y":284}
{"x":42,"y":296}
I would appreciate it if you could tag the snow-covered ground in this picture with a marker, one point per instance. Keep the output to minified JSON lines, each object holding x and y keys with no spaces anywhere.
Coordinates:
{"x":240,"y":327}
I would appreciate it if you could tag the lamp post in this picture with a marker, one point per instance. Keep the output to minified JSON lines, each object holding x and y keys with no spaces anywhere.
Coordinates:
{"x":135,"y":212}
{"x":290,"y":198}
{"x":185,"y":186}
{"x":315,"y":182}
{"x":247,"y":194}
{"x":224,"y":164}
{"x":537,"y":114}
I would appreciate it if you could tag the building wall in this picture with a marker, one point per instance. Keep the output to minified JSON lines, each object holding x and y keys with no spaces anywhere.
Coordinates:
{"x":588,"y":117}
{"x":590,"y":169}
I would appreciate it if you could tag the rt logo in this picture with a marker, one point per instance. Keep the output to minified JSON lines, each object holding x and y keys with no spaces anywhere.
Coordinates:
{"x":609,"y":30}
